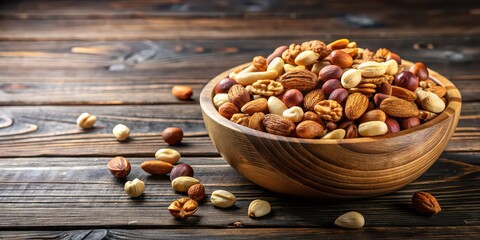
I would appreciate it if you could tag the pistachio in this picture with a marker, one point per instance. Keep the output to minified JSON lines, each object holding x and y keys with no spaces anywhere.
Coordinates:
{"x":167,"y":155}
{"x":183,"y":183}
{"x":222,"y":199}
{"x":259,"y":208}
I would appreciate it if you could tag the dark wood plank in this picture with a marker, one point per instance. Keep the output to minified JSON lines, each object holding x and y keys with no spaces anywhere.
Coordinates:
{"x":52,"y":130}
{"x":450,"y":232}
{"x":80,"y":192}
{"x":49,"y":72}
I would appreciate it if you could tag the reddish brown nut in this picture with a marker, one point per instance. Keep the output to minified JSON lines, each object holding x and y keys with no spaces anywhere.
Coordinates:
{"x":373,"y":115}
{"x":407,"y":80}
{"x":309,"y":129}
{"x":341,"y":59}
{"x":330,"y":126}
{"x":172,"y":135}
{"x":292,"y":97}
{"x":224,"y":85}
{"x":181,"y":170}
{"x":386,"y":88}
{"x":410,"y":122}
{"x":420,"y":70}
{"x":330,"y":72}
{"x":276,"y":53}
{"x":182,"y":92}
{"x":228,"y":109}
{"x":330,"y":85}
{"x":379,"y":97}
{"x":425,"y":203}
{"x":395,"y":57}
{"x":392,"y":125}
{"x":196,"y":192}
{"x":119,"y":167}
{"x":156,"y":167}
{"x":351,"y":131}
{"x":309,"y":115}
{"x":340,"y":95}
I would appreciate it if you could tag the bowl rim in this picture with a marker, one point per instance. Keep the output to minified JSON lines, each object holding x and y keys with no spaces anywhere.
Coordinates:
{"x":453,"y":107}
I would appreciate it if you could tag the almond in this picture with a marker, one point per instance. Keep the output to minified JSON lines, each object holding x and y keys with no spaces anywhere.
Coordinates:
{"x":302,"y":80}
{"x":278,"y":125}
{"x":425,"y":204}
{"x":182,"y":92}
{"x":397,"y":107}
{"x":403,"y":93}
{"x":156,"y":167}
{"x":309,"y":129}
{"x":313,"y":98}
{"x":257,"y":105}
{"x":356,"y":105}
{"x":238,"y":95}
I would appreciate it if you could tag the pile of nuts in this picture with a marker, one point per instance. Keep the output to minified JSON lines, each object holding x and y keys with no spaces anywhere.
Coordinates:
{"x":333,"y":91}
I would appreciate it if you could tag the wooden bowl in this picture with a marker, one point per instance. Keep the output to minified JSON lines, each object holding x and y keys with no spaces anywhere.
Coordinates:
{"x":327,"y":168}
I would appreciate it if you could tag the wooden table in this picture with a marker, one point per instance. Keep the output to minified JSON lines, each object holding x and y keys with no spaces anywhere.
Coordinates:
{"x":119,"y":60}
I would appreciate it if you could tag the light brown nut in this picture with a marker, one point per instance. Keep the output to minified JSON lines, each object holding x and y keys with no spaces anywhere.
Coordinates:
{"x":276,"y":106}
{"x":339,"y":43}
{"x":372,"y":128}
{"x":292,"y":97}
{"x":313,"y":98}
{"x":422,"y":94}
{"x":220,"y":98}
{"x":351,"y":45}
{"x":351,"y":131}
{"x":318,"y":66}
{"x":278,"y":125}
{"x":183,"y":208}
{"x":306,"y":58}
{"x":240,"y":118}
{"x":433,"y":103}
{"x":259,"y":208}
{"x":309,"y":129}
{"x":318,"y":47}
{"x":234,"y":73}
{"x":378,"y":80}
{"x":439,"y":90}
{"x":381,"y":55}
{"x":227,"y":110}
{"x":167,"y":155}
{"x":238,"y":95}
{"x":256,"y":121}
{"x":329,"y":110}
{"x":119,"y":167}
{"x":172,"y":135}
{"x":373,"y":115}
{"x":420,"y":70}
{"x":291,"y":53}
{"x":248,"y":78}
{"x":309,"y":115}
{"x":222,"y":199}
{"x":121,"y":132}
{"x":277,"y":64}
{"x":350,"y":220}
{"x":353,"y":52}
{"x":183,"y":183}
{"x":86,"y":121}
{"x":341,"y":59}
{"x":266,"y":88}
{"x":335,"y":134}
{"x":288,"y":67}
{"x":372,"y":69}
{"x":397,"y":107}
{"x":426,"y":115}
{"x":260,"y":63}
{"x":425,"y":203}
{"x":356,"y":105}
{"x":294,"y":113}
{"x":156,"y":167}
{"x":276,"y":53}
{"x":351,"y":78}
{"x":403,"y":93}
{"x":302,"y":80}
{"x":257,"y":105}
{"x":196,"y":192}
{"x":134,"y":188}
{"x":182,"y":92}
{"x":391,"y":67}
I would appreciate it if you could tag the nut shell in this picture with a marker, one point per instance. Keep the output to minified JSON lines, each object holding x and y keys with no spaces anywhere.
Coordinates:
{"x":238,"y":95}
{"x":302,"y":80}
{"x":183,"y":208}
{"x":278,"y":125}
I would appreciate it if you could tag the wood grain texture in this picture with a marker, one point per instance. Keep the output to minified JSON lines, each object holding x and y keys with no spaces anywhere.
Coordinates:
{"x":80,"y":192}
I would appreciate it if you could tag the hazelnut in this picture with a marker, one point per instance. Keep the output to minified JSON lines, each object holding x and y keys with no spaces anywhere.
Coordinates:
{"x":259,"y":208}
{"x":180,"y":170}
{"x":395,"y":57}
{"x":309,"y":115}
{"x":134,"y":188}
{"x":392,"y":125}
{"x":292,"y":97}
{"x":119,"y":167}
{"x":339,"y":95}
{"x":182,"y":92}
{"x":224,"y":85}
{"x":183,"y":208}
{"x":341,"y":59}
{"x":330,"y":72}
{"x":86,"y":121}
{"x":407,"y":80}
{"x":222,"y":199}
{"x":228,"y":109}
{"x":420,"y":70}
{"x":196,"y":192}
{"x":121,"y":132}
{"x":410,"y":122}
{"x":167,"y":155}
{"x":330,"y":85}
{"x":172,"y":135}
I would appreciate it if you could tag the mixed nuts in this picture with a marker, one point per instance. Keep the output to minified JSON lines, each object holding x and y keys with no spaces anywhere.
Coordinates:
{"x":334,"y":91}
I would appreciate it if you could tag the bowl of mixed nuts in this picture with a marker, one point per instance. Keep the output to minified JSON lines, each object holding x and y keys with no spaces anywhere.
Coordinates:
{"x":330,"y":120}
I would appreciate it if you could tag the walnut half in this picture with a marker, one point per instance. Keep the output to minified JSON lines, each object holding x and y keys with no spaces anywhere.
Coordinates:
{"x":266,"y":88}
{"x":329,"y":110}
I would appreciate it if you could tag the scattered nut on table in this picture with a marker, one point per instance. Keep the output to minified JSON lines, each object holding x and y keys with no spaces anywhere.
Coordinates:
{"x":172,"y":135}
{"x":167,"y":155}
{"x":86,"y":121}
{"x":121,"y":132}
{"x":350,"y":220}
{"x":425,"y":203}
{"x":119,"y":167}
{"x":183,"y":183}
{"x":196,"y":192}
{"x":222,"y":199}
{"x":182,"y":92}
{"x":259,"y":208}
{"x":134,"y":188}
{"x":183,"y":208}
{"x":181,"y":169}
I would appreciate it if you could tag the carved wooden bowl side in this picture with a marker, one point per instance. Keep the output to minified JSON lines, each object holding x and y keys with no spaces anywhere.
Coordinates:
{"x":325,"y":168}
